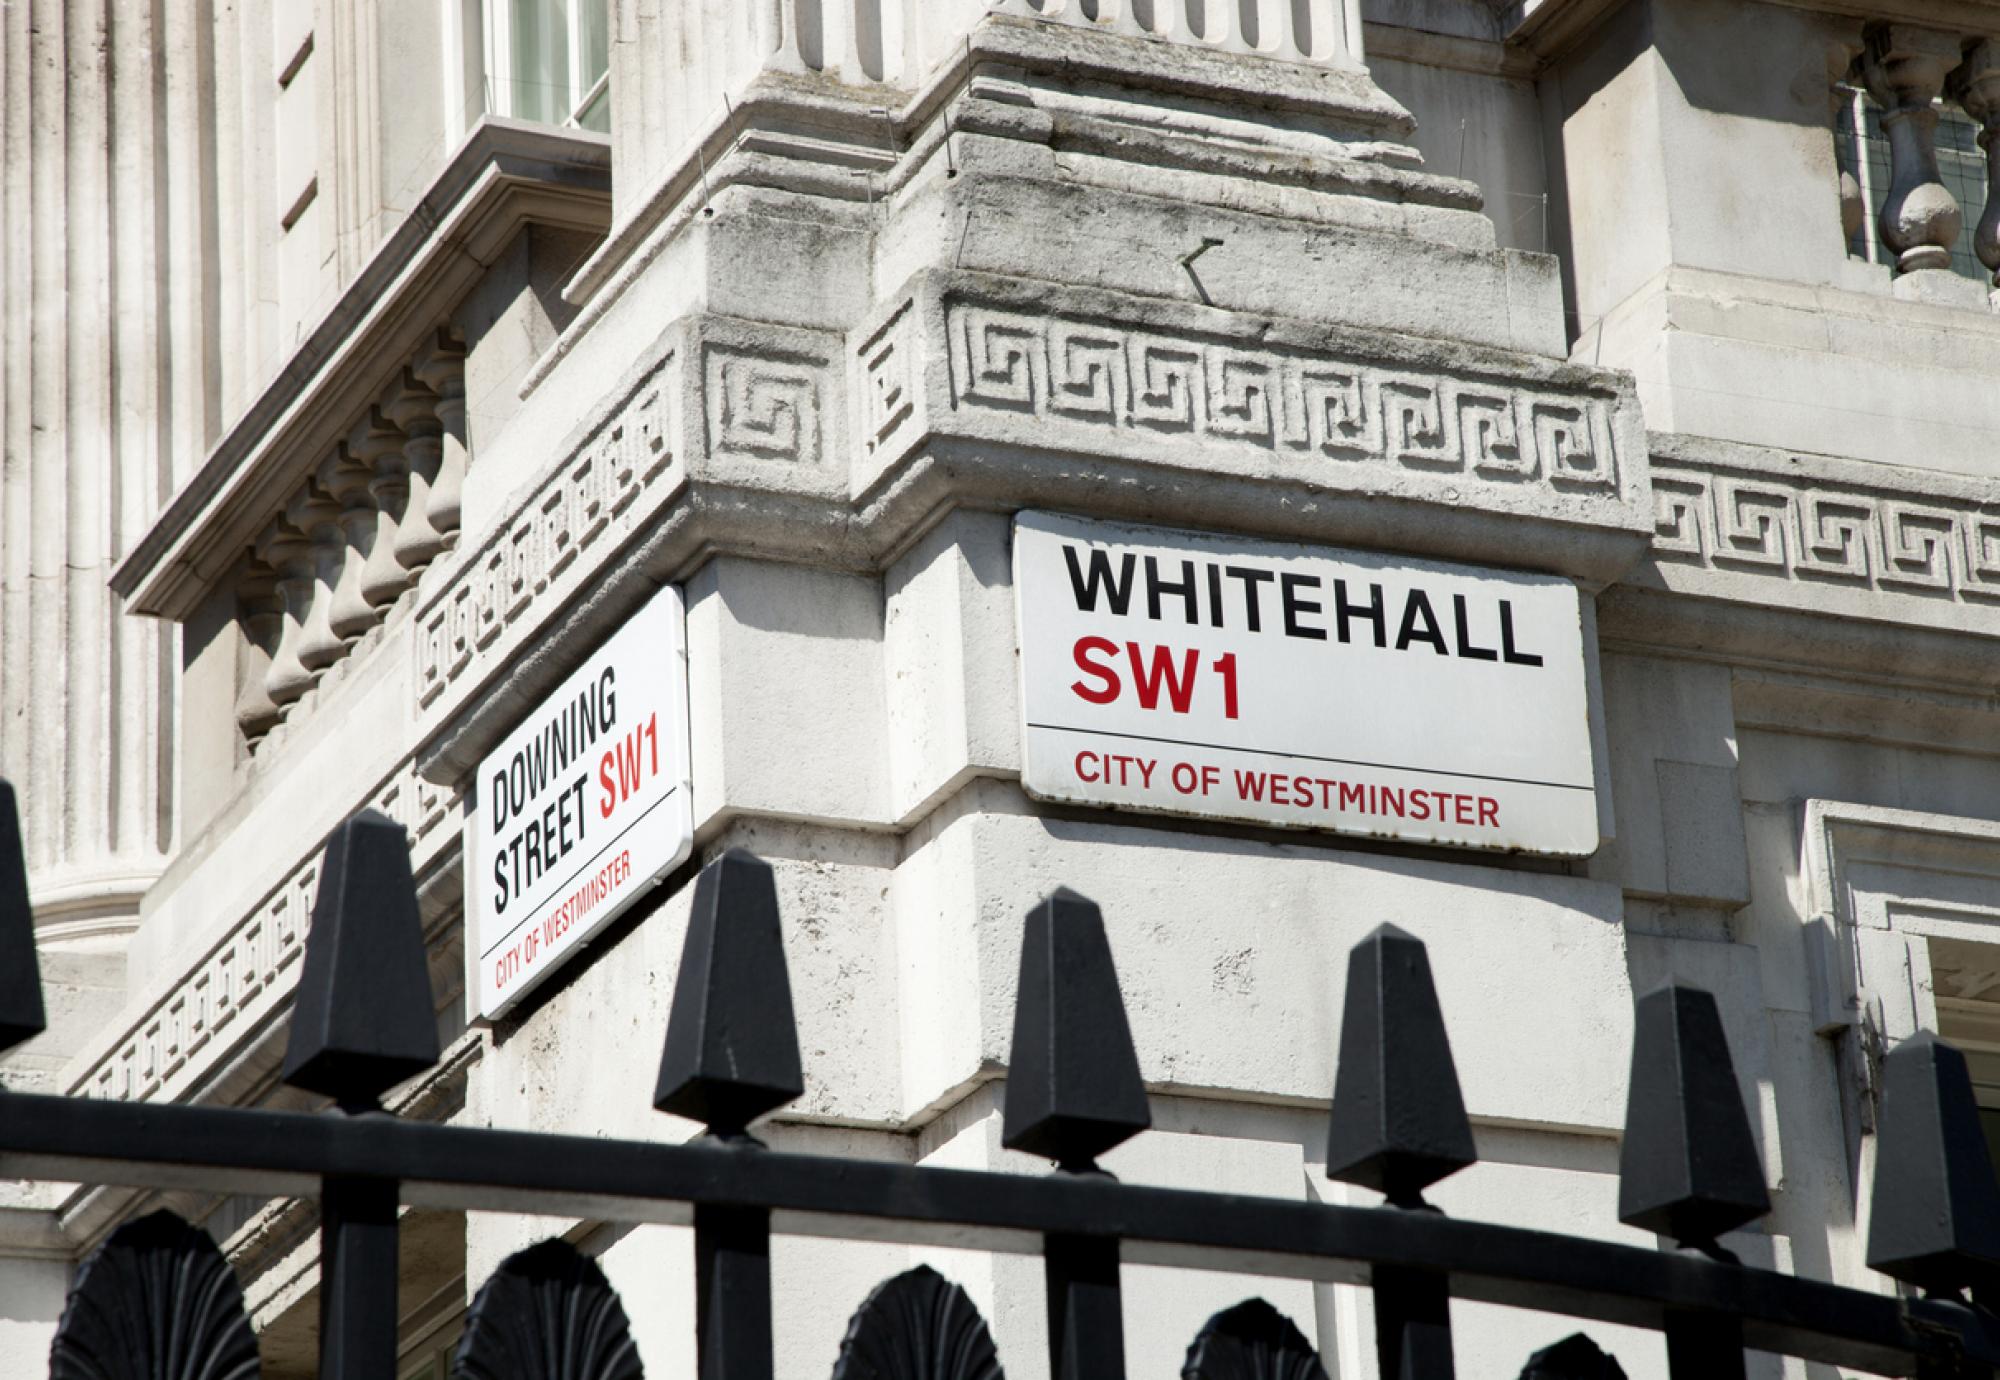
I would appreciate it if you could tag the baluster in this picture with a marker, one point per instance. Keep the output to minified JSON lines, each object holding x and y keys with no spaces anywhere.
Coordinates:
{"x":21,"y":1014}
{"x":1398,"y":1126}
{"x":261,"y":614}
{"x":364,"y":1020}
{"x":1904,"y":67}
{"x":441,"y":368}
{"x":376,"y":443}
{"x":413,"y":407}
{"x":318,"y":517}
{"x":1688,"y":1167}
{"x":1934,"y":1217}
{"x":1975,"y":85}
{"x":344,"y":478}
{"x":285,"y":550}
{"x":1074,"y":1092}
{"x":732,"y":1054}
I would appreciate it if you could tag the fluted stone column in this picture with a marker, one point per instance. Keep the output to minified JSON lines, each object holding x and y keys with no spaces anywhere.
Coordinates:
{"x":1975,"y":85}
{"x":441,"y":368}
{"x":414,"y":409}
{"x":1904,"y":67}
{"x":85,"y":699}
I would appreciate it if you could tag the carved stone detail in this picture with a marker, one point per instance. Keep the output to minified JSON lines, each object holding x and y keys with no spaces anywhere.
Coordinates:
{"x":156,"y":1299}
{"x":246,"y":975}
{"x":261,"y":615}
{"x":1252,"y":1341}
{"x":376,"y":442}
{"x":317,"y":516}
{"x":1904,"y":67}
{"x":345,"y":478}
{"x":573,"y":511}
{"x":1975,"y":85}
{"x":413,"y":408}
{"x":549,"y":1312}
{"x":440,"y":366}
{"x":1129,"y":378}
{"x":917,"y":1326}
{"x":285,"y":550}
{"x":762,"y":405}
{"x":1804,"y":528}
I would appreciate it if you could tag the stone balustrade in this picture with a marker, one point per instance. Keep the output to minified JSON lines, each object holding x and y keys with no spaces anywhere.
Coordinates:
{"x":1906,"y":68}
{"x":354,"y":537}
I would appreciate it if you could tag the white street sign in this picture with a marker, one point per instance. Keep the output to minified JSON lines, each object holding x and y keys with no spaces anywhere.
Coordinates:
{"x":583,"y":807}
{"x":1302,"y":686}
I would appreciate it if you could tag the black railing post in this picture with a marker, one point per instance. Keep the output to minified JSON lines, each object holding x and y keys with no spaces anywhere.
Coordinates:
{"x":21,"y":1014}
{"x":1398,"y":1126}
{"x":1074,"y":1092}
{"x":363,"y":1020}
{"x":732,"y":1054}
{"x":1934,"y":1218}
{"x":1688,"y":1167}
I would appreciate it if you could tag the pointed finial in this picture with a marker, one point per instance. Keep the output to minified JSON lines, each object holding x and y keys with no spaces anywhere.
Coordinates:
{"x":1935,"y":1220}
{"x":732,"y":1048}
{"x":1073,"y":1086}
{"x":1398,"y":1117}
{"x":21,"y":1015}
{"x":364,"y":1018}
{"x":1688,"y":1167}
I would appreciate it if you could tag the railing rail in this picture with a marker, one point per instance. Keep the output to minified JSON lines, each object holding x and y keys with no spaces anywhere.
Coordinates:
{"x":1689,"y":1167}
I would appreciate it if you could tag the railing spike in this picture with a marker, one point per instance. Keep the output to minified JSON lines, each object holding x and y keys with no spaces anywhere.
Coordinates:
{"x":21,"y":1014}
{"x":1398,"y":1121}
{"x":1935,"y":1219}
{"x":1073,"y":1085}
{"x":1688,"y":1167}
{"x":364,"y":1018}
{"x":732,"y":1050}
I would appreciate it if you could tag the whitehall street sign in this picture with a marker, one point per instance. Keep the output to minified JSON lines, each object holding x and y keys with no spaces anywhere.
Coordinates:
{"x":1303,"y":687}
{"x":584,"y":806}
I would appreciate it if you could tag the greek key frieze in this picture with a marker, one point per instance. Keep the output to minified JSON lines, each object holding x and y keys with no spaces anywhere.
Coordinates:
{"x":1828,"y":533}
{"x":1154,"y":383}
{"x":576,"y":508}
{"x":762,"y":406}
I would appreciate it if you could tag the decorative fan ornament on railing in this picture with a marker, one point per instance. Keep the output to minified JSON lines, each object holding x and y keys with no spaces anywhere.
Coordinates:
{"x":1575,"y":1357}
{"x":917,"y":1326}
{"x":1252,"y":1341}
{"x":156,"y":1301}
{"x":548,"y":1313}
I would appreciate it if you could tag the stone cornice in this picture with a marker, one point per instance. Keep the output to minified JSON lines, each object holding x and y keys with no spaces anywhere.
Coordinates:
{"x":1822,"y":535}
{"x":507,"y":174}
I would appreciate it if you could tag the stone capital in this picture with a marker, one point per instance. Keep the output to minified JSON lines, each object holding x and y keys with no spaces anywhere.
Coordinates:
{"x":1975,"y":83}
{"x":1904,"y":65}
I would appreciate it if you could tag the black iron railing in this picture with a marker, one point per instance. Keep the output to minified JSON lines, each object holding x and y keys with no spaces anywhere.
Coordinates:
{"x":160,"y":1295}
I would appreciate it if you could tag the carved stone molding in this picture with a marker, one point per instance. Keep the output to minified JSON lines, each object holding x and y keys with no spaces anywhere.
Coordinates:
{"x":1826,"y":535}
{"x":242,"y":979}
{"x":1181,"y":388}
{"x":584,"y":505}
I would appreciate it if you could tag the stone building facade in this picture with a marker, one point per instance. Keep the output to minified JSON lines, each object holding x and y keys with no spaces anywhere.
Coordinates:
{"x":368,"y":363}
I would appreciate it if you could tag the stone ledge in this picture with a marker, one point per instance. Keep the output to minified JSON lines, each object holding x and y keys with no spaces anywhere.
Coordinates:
{"x":506,"y":175}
